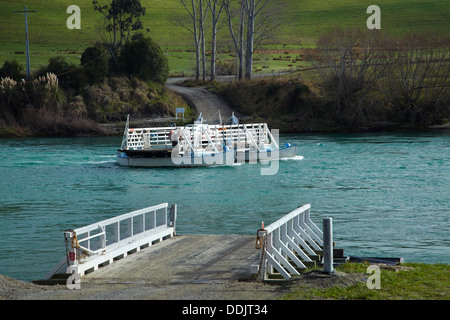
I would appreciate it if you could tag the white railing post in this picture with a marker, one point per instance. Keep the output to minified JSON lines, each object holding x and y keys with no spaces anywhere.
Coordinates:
{"x":103,"y":243}
{"x":328,"y":245}
{"x":72,"y":246}
{"x":173,"y":218}
{"x":117,"y":231}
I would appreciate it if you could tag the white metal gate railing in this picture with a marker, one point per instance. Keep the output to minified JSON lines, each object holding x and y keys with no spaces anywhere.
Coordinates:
{"x":100,"y":243}
{"x":287,"y":243}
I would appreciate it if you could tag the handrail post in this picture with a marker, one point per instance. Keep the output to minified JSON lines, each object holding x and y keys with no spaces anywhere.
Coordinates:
{"x":265,"y":247}
{"x":71,"y":251}
{"x":173,"y":217}
{"x":328,"y":245}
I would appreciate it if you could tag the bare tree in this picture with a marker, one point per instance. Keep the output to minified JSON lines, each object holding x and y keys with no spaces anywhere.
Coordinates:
{"x":352,"y":64}
{"x":203,"y":12}
{"x":191,"y":9}
{"x":238,"y":38}
{"x":259,"y":18}
{"x":197,"y":13}
{"x":252,"y":8}
{"x":417,"y":84}
{"x":245,"y":43}
{"x":215,"y":7}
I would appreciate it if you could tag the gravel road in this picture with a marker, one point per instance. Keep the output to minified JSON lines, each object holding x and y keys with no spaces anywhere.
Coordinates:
{"x":205,"y":102}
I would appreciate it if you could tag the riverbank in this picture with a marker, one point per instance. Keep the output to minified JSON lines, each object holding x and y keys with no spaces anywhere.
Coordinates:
{"x":43,"y":108}
{"x":100,"y":110}
{"x":89,"y":128}
{"x":411,"y":281}
{"x":295,"y":106}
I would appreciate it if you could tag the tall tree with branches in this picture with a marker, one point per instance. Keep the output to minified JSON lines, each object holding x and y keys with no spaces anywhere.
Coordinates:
{"x":197,"y":14}
{"x":252,"y":8}
{"x":216,"y":8}
{"x":353,"y":61}
{"x":237,"y":37}
{"x":123,"y":18}
{"x":258,"y":20}
{"x":418,"y":78}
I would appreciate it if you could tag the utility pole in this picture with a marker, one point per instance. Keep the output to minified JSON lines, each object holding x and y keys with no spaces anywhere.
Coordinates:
{"x":26,"y":38}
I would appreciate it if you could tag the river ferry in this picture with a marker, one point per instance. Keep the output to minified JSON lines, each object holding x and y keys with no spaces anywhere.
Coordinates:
{"x":200,"y":144}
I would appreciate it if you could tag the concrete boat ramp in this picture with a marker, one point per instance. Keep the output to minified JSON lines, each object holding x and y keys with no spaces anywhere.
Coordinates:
{"x":187,"y":267}
{"x":185,"y":259}
{"x":138,"y":256}
{"x":182,"y":268}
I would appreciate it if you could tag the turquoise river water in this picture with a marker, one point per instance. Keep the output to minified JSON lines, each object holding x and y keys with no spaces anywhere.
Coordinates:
{"x":388,"y":194}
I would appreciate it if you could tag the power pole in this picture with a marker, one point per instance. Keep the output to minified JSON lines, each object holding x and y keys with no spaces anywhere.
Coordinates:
{"x":26,"y":38}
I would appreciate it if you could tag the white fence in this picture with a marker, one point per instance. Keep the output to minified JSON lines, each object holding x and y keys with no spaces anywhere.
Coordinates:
{"x":288,"y":244}
{"x":101,"y":243}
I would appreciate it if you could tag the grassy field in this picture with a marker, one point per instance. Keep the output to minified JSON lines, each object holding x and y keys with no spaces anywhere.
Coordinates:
{"x":303,"y":23}
{"x":411,"y":281}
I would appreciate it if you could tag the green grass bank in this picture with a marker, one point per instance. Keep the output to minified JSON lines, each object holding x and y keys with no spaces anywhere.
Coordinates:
{"x":409,"y":281}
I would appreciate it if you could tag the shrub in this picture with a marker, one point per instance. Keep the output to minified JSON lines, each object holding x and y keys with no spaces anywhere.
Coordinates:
{"x":13,"y":70}
{"x":95,"y":64}
{"x":143,"y":58}
{"x":69,"y":75}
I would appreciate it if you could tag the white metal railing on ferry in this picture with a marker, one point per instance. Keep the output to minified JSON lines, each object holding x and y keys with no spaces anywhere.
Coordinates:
{"x":149,"y":138}
{"x":100,"y":243}
{"x":201,"y":136}
{"x":287,"y":243}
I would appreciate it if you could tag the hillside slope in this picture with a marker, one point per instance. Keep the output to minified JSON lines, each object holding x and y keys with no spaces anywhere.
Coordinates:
{"x":303,"y":22}
{"x":302,"y":19}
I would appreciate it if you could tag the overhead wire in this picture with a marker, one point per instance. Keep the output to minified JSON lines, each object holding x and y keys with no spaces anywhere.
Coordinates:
{"x":66,"y":72}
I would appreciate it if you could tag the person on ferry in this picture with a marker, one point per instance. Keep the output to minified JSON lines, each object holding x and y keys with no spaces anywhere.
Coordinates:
{"x":174,"y":137}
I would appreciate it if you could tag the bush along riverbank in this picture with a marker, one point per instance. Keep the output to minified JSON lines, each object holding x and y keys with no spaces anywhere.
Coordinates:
{"x":42,"y":108}
{"x":359,"y":80}
{"x":65,"y":99}
{"x":293,"y":106}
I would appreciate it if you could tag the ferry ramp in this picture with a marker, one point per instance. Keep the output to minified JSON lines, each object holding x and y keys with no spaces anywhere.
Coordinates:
{"x":186,"y":267}
{"x":185,"y":259}
{"x":138,"y":256}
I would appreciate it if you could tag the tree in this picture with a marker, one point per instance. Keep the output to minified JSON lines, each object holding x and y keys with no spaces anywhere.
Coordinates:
{"x":123,"y":18}
{"x":260,"y":18}
{"x":13,"y":70}
{"x":417,"y":81}
{"x":252,"y":8}
{"x":352,"y":63}
{"x":269,"y":18}
{"x":203,"y":12}
{"x":216,"y":10}
{"x":197,"y":13}
{"x":70,"y":76}
{"x":143,"y":58}
{"x":238,"y":39}
{"x":95,"y":63}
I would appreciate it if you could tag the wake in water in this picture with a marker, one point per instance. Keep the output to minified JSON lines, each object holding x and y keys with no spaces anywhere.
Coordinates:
{"x":101,"y":162}
{"x":293,"y":158}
